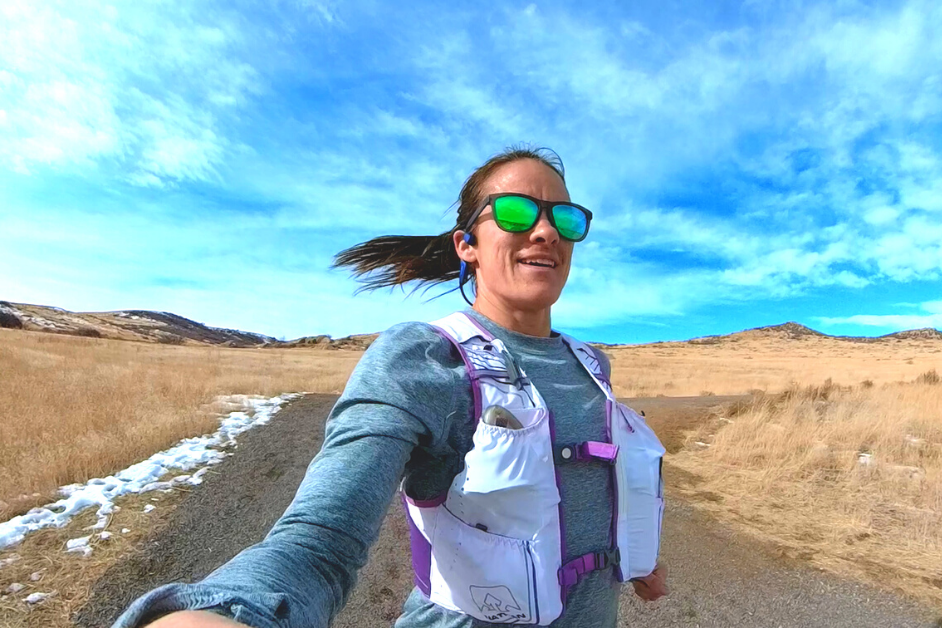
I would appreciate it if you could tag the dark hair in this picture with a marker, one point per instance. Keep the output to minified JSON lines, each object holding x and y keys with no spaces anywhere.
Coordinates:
{"x":397,"y":259}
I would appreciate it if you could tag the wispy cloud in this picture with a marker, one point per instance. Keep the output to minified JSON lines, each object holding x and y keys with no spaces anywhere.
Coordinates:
{"x":931,"y":317}
{"x":146,"y":89}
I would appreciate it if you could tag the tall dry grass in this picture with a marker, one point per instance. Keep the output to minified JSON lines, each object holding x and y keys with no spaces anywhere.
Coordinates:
{"x":767,"y":363}
{"x":75,"y":408}
{"x":848,"y":477}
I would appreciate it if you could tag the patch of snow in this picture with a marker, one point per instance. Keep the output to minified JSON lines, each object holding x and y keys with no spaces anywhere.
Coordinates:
{"x":145,"y":476}
{"x":79,"y":545}
{"x":35,"y":576}
{"x":865,"y":459}
{"x":149,"y":507}
{"x":125,"y":530}
{"x":39,"y":321}
{"x":36,"y":598}
{"x":16,"y":587}
{"x":9,"y":561}
{"x":104,"y":536}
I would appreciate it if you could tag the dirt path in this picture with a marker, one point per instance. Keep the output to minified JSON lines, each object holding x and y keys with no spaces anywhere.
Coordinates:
{"x":717,"y":577}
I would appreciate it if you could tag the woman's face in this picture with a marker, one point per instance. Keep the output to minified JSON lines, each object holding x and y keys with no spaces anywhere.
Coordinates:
{"x":500,"y":258}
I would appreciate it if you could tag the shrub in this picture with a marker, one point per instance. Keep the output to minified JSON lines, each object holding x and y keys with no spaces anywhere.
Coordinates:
{"x":929,"y":377}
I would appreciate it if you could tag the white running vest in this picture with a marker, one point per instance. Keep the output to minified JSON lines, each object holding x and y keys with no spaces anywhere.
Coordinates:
{"x":492,"y":547}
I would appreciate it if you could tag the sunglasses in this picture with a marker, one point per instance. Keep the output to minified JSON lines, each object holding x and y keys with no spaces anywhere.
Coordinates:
{"x":517,"y":213}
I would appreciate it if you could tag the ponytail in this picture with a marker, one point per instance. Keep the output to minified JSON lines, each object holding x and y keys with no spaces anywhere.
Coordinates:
{"x":397,"y":260}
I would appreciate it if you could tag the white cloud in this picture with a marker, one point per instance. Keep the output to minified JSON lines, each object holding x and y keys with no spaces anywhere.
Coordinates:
{"x":142,"y":86}
{"x":897,"y":322}
{"x":894,"y":322}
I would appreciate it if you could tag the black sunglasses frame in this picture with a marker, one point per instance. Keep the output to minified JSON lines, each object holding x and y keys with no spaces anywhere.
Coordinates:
{"x":542,"y":207}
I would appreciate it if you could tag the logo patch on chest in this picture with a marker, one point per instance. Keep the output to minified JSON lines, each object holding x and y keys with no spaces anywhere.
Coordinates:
{"x":498,"y":604}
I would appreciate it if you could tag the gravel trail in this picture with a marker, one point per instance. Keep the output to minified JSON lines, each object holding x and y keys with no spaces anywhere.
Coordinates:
{"x":717,"y":577}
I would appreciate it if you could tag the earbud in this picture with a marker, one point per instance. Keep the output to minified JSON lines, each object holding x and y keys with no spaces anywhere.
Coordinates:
{"x":463,"y":273}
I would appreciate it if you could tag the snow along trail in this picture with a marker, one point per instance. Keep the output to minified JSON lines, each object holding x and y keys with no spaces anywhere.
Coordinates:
{"x":145,"y":476}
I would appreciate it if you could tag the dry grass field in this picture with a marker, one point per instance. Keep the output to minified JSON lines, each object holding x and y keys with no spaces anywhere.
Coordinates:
{"x":767,"y":361}
{"x":849,"y":478}
{"x":75,"y":408}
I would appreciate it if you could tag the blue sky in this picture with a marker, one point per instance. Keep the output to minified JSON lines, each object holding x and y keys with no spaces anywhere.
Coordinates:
{"x":748,"y":163}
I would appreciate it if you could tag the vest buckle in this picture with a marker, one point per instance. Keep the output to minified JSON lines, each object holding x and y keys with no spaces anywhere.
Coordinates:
{"x":607,"y":558}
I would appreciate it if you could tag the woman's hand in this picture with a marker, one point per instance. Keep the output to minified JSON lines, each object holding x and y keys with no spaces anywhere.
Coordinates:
{"x":653,"y":586}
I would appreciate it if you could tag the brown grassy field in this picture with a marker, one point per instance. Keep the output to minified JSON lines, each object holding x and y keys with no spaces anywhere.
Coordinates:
{"x":75,"y":408}
{"x":850,"y":478}
{"x":766,"y":361}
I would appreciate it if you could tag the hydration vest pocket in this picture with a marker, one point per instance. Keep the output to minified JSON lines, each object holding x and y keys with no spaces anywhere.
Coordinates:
{"x":488,"y":576}
{"x":530,"y":419}
{"x":509,"y":482}
{"x":640,"y":450}
{"x":640,"y":492}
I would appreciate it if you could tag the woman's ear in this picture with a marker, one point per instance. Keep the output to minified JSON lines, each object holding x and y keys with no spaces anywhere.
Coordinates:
{"x":464,"y":246}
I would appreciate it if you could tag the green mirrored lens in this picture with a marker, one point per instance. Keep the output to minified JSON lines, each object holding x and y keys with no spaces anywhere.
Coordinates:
{"x":571,"y":222}
{"x":515,"y":213}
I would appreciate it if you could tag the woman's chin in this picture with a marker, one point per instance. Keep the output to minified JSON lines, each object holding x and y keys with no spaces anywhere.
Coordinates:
{"x":536,"y":297}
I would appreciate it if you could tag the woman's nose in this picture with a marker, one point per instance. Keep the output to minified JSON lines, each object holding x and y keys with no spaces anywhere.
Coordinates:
{"x":543,"y":231}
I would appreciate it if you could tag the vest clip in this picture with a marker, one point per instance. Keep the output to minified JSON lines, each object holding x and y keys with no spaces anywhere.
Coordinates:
{"x":608,"y":558}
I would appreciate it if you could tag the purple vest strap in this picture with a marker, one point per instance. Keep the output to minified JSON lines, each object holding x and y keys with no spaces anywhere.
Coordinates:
{"x":594,"y":449}
{"x":572,"y":572}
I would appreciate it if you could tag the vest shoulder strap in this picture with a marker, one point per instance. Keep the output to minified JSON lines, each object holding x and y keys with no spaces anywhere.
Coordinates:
{"x":460,"y":327}
{"x":488,"y":361}
{"x":588,"y":359}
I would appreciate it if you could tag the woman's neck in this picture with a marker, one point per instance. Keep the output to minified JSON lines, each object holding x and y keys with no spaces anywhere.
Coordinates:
{"x":531,"y":323}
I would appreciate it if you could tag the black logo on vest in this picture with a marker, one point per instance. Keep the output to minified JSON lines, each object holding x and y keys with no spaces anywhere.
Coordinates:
{"x":498,"y":604}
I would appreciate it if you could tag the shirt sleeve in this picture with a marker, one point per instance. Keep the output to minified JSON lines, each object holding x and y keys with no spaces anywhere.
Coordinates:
{"x":302,"y":573}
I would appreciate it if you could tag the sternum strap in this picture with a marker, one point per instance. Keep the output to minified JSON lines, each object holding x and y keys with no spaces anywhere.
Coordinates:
{"x":582,"y":452}
{"x":573,"y":571}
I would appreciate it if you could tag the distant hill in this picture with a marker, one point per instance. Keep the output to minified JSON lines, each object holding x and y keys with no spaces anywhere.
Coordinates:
{"x":167,"y":328}
{"x":356,"y":341}
{"x":162,"y":327}
{"x":146,"y":326}
{"x":797,"y":331}
{"x":924,"y":333}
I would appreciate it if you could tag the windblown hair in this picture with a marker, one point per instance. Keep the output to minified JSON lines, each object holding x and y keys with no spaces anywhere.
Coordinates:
{"x":394,"y":260}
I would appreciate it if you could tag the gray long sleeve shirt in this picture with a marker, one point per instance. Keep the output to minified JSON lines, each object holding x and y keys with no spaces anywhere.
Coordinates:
{"x":406,"y":413}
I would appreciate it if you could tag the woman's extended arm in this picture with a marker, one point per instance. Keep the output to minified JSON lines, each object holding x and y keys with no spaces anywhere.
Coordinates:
{"x":302,"y":573}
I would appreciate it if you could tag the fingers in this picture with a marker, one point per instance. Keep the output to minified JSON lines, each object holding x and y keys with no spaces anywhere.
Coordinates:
{"x":653,"y":586}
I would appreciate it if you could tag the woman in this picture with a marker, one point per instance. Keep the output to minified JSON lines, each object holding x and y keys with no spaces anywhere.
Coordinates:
{"x":409,"y":417}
